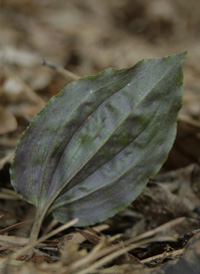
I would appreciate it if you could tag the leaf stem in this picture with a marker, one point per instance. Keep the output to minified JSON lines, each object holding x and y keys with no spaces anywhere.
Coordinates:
{"x":40,"y":215}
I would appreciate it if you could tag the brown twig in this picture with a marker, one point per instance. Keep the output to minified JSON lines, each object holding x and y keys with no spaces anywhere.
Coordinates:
{"x":15,"y":226}
{"x":66,"y":73}
{"x":163,"y":256}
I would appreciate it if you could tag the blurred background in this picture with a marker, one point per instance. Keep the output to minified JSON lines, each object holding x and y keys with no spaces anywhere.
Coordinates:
{"x":86,"y":37}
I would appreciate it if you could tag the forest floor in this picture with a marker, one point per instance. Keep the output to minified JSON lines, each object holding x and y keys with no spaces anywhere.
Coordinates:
{"x":159,"y":232}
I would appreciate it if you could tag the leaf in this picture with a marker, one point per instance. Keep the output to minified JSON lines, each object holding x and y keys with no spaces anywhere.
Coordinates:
{"x":90,"y":152}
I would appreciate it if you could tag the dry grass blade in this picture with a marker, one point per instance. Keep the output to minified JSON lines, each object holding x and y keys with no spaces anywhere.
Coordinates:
{"x":118,"y":253}
{"x":15,"y":226}
{"x":66,"y":73}
{"x":93,"y":256}
{"x":8,"y":194}
{"x":6,"y":159}
{"x":157,"y":230}
{"x":22,"y":251}
{"x":163,"y":256}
